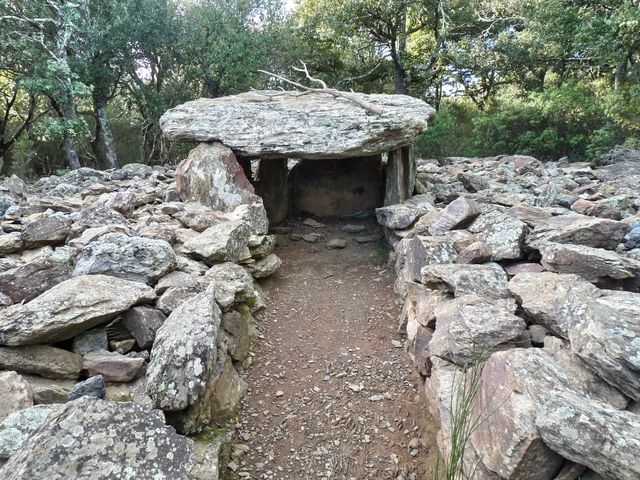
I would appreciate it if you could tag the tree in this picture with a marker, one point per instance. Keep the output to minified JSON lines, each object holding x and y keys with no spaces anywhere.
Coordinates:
{"x":44,"y":30}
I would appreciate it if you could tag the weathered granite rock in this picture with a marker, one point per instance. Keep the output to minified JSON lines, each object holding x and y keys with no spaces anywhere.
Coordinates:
{"x":455,"y":215}
{"x":592,"y":264}
{"x":91,"y":438}
{"x":143,"y":323}
{"x":176,"y":279}
{"x":336,"y":187}
{"x":93,"y":233}
{"x":90,"y":341}
{"x":230,"y":284}
{"x":184,"y":353}
{"x":540,"y":294}
{"x":91,"y":387}
{"x":16,"y":428}
{"x":488,"y":281}
{"x":313,"y":126}
{"x":503,"y":234}
{"x":212,"y":176}
{"x":30,"y":279}
{"x":15,"y":393}
{"x":270,"y":264}
{"x":514,"y":385}
{"x":262,"y":245}
{"x":197,"y":217}
{"x":49,"y":362}
{"x":604,"y":332}
{"x":113,"y":366}
{"x":9,"y":243}
{"x":226,"y":241}
{"x":587,"y":231}
{"x":469,"y":326}
{"x":69,"y":308}
{"x":592,"y":433}
{"x":133,"y":258}
{"x":51,"y":230}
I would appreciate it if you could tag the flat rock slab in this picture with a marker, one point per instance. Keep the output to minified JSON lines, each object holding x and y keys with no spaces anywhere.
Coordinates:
{"x":314,"y":126}
{"x":69,"y":308}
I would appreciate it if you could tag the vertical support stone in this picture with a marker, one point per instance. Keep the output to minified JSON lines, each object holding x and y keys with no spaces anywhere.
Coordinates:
{"x":400,"y":176}
{"x":245,"y":163}
{"x":273,"y":187}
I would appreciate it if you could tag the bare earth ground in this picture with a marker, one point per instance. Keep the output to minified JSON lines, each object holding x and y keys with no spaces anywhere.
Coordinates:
{"x":330,"y":395}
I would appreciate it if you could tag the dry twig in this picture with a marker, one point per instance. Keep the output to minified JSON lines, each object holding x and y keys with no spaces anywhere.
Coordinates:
{"x":369,"y":107}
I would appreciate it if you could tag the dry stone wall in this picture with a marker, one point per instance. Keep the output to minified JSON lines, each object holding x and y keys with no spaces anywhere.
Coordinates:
{"x":126,"y":309}
{"x":536,"y":268}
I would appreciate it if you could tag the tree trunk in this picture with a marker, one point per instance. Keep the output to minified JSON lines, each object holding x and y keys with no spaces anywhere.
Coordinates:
{"x":103,"y":144}
{"x":399,"y":78}
{"x":7,"y":160}
{"x":69,"y":143}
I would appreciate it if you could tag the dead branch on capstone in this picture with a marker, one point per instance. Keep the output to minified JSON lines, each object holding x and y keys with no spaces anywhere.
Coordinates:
{"x":369,"y":107}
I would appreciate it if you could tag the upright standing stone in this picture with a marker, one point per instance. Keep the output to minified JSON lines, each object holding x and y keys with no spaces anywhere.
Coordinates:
{"x":400,"y":176}
{"x":273,"y":187}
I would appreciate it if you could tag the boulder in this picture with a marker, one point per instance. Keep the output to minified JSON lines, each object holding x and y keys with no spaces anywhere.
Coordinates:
{"x":253,"y":214}
{"x":270,"y":264}
{"x":503,"y":235}
{"x":312,"y":126}
{"x":30,"y":279}
{"x":400,"y":216}
{"x":174,"y":297}
{"x":476,"y":253}
{"x":10,"y":243}
{"x":184,"y":353}
{"x":15,"y":394}
{"x":592,"y":433}
{"x":90,"y":341}
{"x":488,"y":281}
{"x":224,"y":242}
{"x":592,"y":264}
{"x":604,"y":332}
{"x":48,"y":391}
{"x":51,"y":230}
{"x":230,"y":284}
{"x":133,"y":258}
{"x":17,"y":427}
{"x":102,"y":440}
{"x":95,"y":216}
{"x":176,"y":279}
{"x":91,"y":387}
{"x":143,"y":323}
{"x":540,"y":294}
{"x":337,"y":187}
{"x":212,"y":176}
{"x":112,"y":366}
{"x":425,"y":250}
{"x":221,"y":400}
{"x":69,"y":308}
{"x":42,"y":360}
{"x":236,"y":324}
{"x":582,"y":230}
{"x":468,"y":326}
{"x":457,"y":214}
{"x":514,"y":386}
{"x":262,"y":245}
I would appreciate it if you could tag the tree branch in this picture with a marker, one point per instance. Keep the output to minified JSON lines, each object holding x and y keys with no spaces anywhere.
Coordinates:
{"x":369,"y":107}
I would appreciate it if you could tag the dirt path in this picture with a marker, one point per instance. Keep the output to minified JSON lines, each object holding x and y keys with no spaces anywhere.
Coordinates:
{"x":331,"y":394}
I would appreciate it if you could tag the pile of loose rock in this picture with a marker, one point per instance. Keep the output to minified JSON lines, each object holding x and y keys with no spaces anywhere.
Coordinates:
{"x":536,"y":268}
{"x":117,"y":298}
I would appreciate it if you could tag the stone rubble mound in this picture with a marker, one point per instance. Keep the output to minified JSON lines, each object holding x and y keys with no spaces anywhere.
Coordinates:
{"x":535,"y":269}
{"x":126,"y":309}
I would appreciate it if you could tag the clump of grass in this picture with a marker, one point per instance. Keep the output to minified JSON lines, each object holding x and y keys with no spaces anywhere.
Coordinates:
{"x":380,"y":256}
{"x":464,"y":421}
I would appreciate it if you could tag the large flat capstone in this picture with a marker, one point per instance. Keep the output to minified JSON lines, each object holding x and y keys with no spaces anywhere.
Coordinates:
{"x":314,"y":126}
